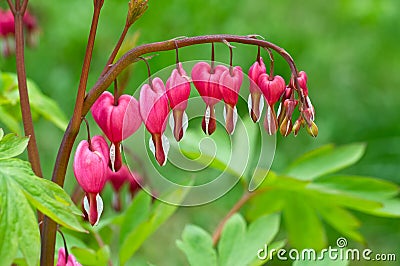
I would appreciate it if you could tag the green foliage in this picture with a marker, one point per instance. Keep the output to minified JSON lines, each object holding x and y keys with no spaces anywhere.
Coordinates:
{"x":20,"y":189}
{"x":307,"y":194}
{"x":41,"y":105}
{"x":238,"y":244}
{"x":87,"y":256}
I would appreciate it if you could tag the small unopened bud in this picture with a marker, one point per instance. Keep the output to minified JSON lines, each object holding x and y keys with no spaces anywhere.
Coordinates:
{"x":308,"y":115}
{"x":297,"y":125}
{"x":286,"y":127}
{"x":136,"y":10}
{"x":312,"y":130}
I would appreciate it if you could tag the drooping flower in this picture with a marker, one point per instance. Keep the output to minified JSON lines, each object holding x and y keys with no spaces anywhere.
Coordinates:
{"x":255,"y":102}
{"x":206,"y":79}
{"x":230,"y":83}
{"x":178,"y":92}
{"x":272,"y":89}
{"x":302,"y":79}
{"x":90,"y":166}
{"x":66,"y":259}
{"x":118,"y":120}
{"x":154,"y":112}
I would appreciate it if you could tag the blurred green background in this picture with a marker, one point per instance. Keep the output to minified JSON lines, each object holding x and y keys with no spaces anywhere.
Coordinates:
{"x":349,"y":49}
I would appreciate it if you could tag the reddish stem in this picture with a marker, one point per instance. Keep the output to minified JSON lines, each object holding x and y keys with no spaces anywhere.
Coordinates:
{"x":33,"y":153}
{"x":49,"y":226}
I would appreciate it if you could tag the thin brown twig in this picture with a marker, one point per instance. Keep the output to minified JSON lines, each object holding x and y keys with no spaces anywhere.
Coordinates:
{"x":238,"y":205}
{"x":33,"y":153}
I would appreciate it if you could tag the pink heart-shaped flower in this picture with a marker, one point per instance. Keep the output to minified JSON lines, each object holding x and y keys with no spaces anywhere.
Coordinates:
{"x":271,"y":88}
{"x":119,"y":121}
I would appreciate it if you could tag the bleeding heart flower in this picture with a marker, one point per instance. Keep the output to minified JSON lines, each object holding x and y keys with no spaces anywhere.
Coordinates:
{"x":66,"y":259}
{"x":230,"y":83}
{"x":272,"y":88}
{"x":90,"y":166}
{"x":302,"y":79}
{"x":255,"y":102}
{"x":178,"y":92}
{"x":206,"y":80}
{"x":154,"y":112}
{"x":117,"y":120}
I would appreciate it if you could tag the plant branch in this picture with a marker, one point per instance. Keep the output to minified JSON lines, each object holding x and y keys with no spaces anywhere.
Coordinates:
{"x":217,"y":233}
{"x":49,"y":226}
{"x":33,"y":153}
{"x":238,"y":205}
{"x":116,"y":49}
{"x":105,"y":81}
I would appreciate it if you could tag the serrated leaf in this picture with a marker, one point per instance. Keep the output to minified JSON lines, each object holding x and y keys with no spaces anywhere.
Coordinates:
{"x":11,"y":145}
{"x":303,"y":225}
{"x":325,"y":160}
{"x":198,"y":246}
{"x":45,"y":195}
{"x":18,"y":226}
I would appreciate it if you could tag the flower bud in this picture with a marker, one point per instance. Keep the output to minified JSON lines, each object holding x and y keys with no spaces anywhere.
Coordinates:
{"x":230,"y":83}
{"x":255,"y":101}
{"x":65,"y":259}
{"x":270,"y":121}
{"x":135,"y":10}
{"x":312,"y":129}
{"x":178,"y":92}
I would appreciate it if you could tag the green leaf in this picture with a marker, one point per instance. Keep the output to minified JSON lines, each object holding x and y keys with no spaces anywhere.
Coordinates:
{"x":45,"y":195}
{"x":159,"y":213}
{"x":270,"y":248}
{"x":40,"y":104}
{"x":234,"y":232}
{"x":340,"y":219}
{"x":87,"y":256}
{"x":137,"y":212}
{"x":1,"y":133}
{"x":326,"y":261}
{"x":239,"y":246}
{"x":198,"y":246}
{"x":325,"y":160}
{"x":9,"y":120}
{"x":18,"y":225}
{"x":304,"y":227}
{"x":11,"y":145}
{"x":363,"y":187}
{"x":46,"y":107}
